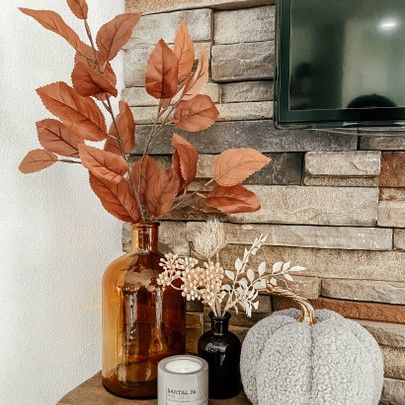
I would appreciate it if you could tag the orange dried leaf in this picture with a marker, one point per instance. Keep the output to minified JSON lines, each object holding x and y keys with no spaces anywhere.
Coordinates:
{"x":196,"y":114}
{"x":200,"y":78}
{"x":126,"y":131}
{"x":54,"y":22}
{"x":184,"y":51}
{"x":89,"y":82}
{"x":143,"y":172}
{"x":185,"y":160}
{"x":113,"y":35}
{"x":105,"y":165}
{"x":79,"y":8}
{"x":161,"y":72}
{"x":36,"y":160}
{"x":233,"y":166}
{"x":161,"y":192}
{"x":56,"y":138}
{"x":233,"y":200}
{"x":117,"y":199}
{"x":78,"y":113}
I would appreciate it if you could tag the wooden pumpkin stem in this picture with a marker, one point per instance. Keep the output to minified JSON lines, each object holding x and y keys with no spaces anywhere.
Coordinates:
{"x":307,"y":310}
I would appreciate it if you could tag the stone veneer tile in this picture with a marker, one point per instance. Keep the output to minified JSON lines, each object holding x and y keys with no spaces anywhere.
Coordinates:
{"x":261,"y":134}
{"x":242,"y":61}
{"x":194,"y":329}
{"x":388,"y":334}
{"x":394,"y":362}
{"x":382,"y":142}
{"x":364,"y":290}
{"x":305,"y":236}
{"x":247,"y":25}
{"x":392,"y":194}
{"x":399,"y":239}
{"x":227,"y":112}
{"x":341,"y":181}
{"x":311,"y":205}
{"x":351,"y":309}
{"x":235,"y":92}
{"x":342,"y":164}
{"x":391,"y":213}
{"x":152,"y":6}
{"x":285,"y":168}
{"x":331,"y":263}
{"x":307,"y":287}
{"x":392,"y":169}
{"x":155,"y":26}
{"x":138,"y":97}
{"x":393,"y":392}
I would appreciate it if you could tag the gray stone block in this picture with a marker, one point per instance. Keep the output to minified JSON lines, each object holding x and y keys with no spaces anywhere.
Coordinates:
{"x":246,"y":25}
{"x":247,"y":91}
{"x":382,"y":142}
{"x":242,"y":61}
{"x":258,"y":134}
{"x":391,"y":213}
{"x":155,"y":26}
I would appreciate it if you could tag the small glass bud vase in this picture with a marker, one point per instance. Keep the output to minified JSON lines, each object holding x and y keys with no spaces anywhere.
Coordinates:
{"x":221,"y":349}
{"x":142,"y":322}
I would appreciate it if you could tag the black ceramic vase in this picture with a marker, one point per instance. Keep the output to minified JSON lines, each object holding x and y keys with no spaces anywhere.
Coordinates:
{"x":221,"y":349}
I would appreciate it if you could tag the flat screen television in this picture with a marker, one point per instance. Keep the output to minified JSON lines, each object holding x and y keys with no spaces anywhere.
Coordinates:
{"x":340,"y":63}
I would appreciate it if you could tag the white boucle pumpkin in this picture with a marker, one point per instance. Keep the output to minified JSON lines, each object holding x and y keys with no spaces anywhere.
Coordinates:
{"x":334,"y":362}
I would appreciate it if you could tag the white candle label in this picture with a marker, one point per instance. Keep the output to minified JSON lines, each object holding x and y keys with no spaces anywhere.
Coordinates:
{"x":185,"y":396}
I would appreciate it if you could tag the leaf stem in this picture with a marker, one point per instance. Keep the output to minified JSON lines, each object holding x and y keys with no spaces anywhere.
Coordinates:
{"x":69,"y":161}
{"x":108,"y":107}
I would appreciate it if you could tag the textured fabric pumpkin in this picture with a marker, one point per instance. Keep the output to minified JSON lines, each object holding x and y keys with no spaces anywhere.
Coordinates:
{"x":333,"y":362}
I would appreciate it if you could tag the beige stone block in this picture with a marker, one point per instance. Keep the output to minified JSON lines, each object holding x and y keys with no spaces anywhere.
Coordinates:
{"x":342,"y":164}
{"x":399,"y":239}
{"x":243,"y":61}
{"x":311,"y":205}
{"x":364,"y":290}
{"x":392,"y":194}
{"x":341,"y":181}
{"x":152,"y":6}
{"x":330,"y":263}
{"x":393,"y":392}
{"x":246,"y":25}
{"x":391,"y":213}
{"x":306,"y":236}
{"x":307,"y":287}
{"x":247,"y":91}
{"x":155,"y":26}
{"x":386,"y":334}
{"x":394,"y":362}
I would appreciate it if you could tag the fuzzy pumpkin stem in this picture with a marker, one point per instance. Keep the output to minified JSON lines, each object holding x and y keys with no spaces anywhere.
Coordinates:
{"x":307,"y":310}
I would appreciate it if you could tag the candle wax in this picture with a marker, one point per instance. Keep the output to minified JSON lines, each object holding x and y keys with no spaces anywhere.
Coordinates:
{"x":183,"y":366}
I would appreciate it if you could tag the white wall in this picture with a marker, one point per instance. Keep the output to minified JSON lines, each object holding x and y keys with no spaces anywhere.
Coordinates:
{"x":55,"y":238}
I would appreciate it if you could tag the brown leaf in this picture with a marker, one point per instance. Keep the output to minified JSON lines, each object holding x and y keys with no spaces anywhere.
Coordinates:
{"x":196,"y":114}
{"x":117,"y":199}
{"x":200,"y":78}
{"x":233,"y":200}
{"x":185,"y":160}
{"x":126,"y":129}
{"x":113,"y":35}
{"x":105,"y":165}
{"x":143,"y":172}
{"x":161,"y":192}
{"x":89,"y":82}
{"x":56,"y":138}
{"x":233,"y":166}
{"x":78,"y":113}
{"x":54,"y":22}
{"x":184,"y":51}
{"x":79,"y":8}
{"x":161,"y":72}
{"x":36,"y":160}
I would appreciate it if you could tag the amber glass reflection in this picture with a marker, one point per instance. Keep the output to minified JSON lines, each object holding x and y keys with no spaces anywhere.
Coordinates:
{"x":142,"y":324}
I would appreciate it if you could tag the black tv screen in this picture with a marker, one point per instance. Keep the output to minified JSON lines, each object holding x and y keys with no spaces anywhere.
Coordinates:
{"x":340,"y":63}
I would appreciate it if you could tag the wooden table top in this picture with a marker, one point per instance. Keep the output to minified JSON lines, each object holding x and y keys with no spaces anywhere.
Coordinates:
{"x":92,"y":392}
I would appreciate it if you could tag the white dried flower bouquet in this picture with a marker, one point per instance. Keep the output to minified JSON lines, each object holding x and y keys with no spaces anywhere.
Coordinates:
{"x":216,"y":287}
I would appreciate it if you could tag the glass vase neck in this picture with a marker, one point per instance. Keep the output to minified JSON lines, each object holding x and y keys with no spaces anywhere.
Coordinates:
{"x":144,"y":238}
{"x":219,"y":324}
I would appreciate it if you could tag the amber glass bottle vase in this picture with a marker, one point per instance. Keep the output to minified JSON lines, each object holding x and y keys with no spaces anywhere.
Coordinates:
{"x":142,"y":323}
